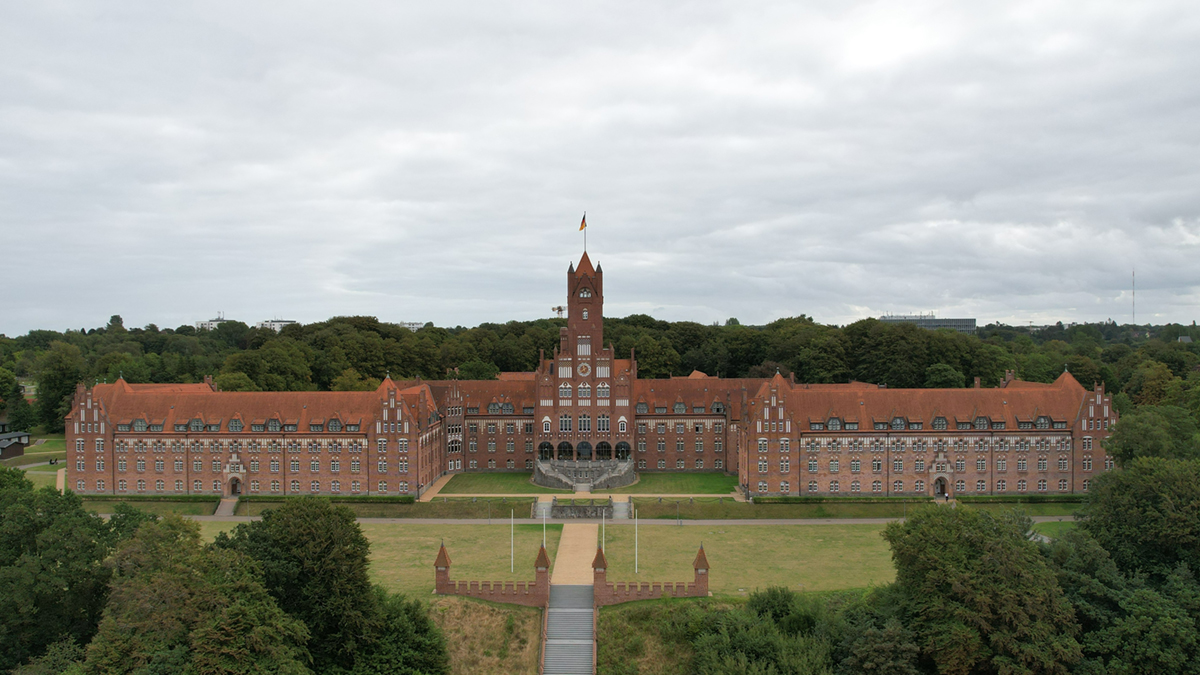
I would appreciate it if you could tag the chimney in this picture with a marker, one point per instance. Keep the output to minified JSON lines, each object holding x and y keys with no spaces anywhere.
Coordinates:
{"x":976,"y":381}
{"x":1009,"y":376}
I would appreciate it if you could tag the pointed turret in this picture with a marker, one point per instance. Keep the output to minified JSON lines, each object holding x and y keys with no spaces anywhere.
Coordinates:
{"x":543,"y":560}
{"x":599,"y":562}
{"x":701,"y":562}
{"x":443,"y":558}
{"x":585,"y":266}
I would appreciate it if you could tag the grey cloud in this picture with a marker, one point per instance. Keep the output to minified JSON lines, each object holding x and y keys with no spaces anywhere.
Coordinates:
{"x":429,"y":161}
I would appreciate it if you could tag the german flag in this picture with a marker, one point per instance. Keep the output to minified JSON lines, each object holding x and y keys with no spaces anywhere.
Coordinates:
{"x":583,"y":223}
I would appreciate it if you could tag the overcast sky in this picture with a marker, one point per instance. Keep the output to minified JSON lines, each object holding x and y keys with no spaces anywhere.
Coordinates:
{"x":430,"y":161}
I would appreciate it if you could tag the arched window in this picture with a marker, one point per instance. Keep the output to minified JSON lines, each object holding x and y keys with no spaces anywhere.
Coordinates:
{"x":602,"y":390}
{"x":898,"y":423}
{"x":565,"y":451}
{"x":545,"y":451}
{"x":564,"y":423}
{"x":564,"y":390}
{"x":546,"y":426}
{"x":621,"y":426}
{"x":585,"y":293}
{"x":585,"y":424}
{"x":835,"y":424}
{"x":585,"y":390}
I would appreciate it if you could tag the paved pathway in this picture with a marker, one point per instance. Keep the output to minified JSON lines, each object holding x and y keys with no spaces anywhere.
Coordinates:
{"x":438,"y":484}
{"x":576,"y":549}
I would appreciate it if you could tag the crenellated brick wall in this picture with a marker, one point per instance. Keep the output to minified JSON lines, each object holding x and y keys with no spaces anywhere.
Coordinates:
{"x":534,"y":593}
{"x":612,"y":593}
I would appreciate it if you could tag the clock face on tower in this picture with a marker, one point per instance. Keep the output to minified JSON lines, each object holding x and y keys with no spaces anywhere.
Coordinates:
{"x":585,"y":369}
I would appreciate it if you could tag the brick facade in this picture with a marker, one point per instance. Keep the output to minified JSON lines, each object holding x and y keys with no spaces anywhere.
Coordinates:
{"x":777,"y":436}
{"x":534,"y":593}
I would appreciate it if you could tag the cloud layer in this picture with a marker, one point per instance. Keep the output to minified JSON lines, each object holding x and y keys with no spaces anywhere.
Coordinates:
{"x":429,"y":161}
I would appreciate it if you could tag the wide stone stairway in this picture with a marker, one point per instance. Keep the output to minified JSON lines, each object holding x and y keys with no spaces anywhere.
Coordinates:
{"x":569,"y":631}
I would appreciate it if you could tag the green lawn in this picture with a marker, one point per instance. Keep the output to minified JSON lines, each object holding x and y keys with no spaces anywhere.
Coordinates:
{"x":162,"y":508}
{"x":42,"y":479}
{"x":402,"y":555}
{"x":680,"y":484}
{"x":746,"y":557}
{"x":709,"y":508}
{"x":495,"y":484}
{"x":1029,"y":509}
{"x":1054,"y":530}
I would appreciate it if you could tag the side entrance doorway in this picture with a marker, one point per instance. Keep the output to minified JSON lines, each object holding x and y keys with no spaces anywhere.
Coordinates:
{"x":235,"y":487}
{"x":939,"y":487}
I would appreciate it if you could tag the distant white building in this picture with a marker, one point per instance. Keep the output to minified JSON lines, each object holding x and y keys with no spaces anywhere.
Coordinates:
{"x":211,"y":324}
{"x":414,"y":326}
{"x":274,"y":324}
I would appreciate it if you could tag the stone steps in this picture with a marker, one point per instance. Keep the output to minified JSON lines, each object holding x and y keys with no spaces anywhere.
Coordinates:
{"x":569,"y":631}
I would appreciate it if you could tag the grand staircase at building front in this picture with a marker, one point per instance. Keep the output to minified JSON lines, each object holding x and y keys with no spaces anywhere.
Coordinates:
{"x":584,"y":476}
{"x":570,"y":635}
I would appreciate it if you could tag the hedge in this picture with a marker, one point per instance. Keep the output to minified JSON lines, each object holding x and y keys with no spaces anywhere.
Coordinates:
{"x":151,"y":498}
{"x":1024,"y":499}
{"x":800,"y":499}
{"x":360,"y":499}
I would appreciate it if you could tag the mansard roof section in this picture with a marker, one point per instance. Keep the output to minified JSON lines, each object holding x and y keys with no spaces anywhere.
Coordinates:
{"x":521,"y":393}
{"x":1060,"y":402}
{"x":125,"y":402}
{"x":694,"y":392}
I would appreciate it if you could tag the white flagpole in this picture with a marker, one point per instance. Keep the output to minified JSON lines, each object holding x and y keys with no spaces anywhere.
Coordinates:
{"x":512,"y":541}
{"x":635,"y":542}
{"x":603,"y":539}
{"x":543,"y":529}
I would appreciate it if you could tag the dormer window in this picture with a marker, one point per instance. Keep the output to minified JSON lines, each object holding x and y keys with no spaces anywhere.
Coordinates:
{"x":335,"y":426}
{"x":881,"y":426}
{"x":139,"y":425}
{"x":718,"y":408}
{"x":351,"y":427}
{"x":1043,"y":422}
{"x":816,"y":426}
{"x":585,"y":293}
{"x":197,"y":425}
{"x":273,"y":426}
{"x":642,"y":408}
{"x":493,"y":408}
{"x":680,"y":408}
{"x":835,"y":424}
{"x":939,"y":423}
{"x":898,"y":423}
{"x":235,"y":425}
{"x":981,"y":423}
{"x":506,"y":408}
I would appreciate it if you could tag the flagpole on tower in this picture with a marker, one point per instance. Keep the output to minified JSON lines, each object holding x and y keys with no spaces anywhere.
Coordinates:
{"x":583,"y":228}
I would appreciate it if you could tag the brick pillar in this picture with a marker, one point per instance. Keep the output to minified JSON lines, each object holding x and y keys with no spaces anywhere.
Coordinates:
{"x":541,"y":579}
{"x":441,"y":567}
{"x":701,"y":567}
{"x":600,"y":595}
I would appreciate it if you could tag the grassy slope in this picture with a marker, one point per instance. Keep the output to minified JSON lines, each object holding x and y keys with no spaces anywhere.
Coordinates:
{"x":494,"y":483}
{"x":485,"y":638}
{"x":680,"y":484}
{"x":745,"y":557}
{"x":1030,"y":509}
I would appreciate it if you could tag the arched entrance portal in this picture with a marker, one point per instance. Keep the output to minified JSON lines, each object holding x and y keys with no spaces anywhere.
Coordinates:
{"x":545,"y":451}
{"x":622,"y":450}
{"x":583,"y":451}
{"x":565,"y":451}
{"x":235,"y":487}
{"x":603,"y":450}
{"x":939,"y":487}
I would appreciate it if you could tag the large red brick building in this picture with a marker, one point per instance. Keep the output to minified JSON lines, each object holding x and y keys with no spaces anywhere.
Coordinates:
{"x":583,"y":403}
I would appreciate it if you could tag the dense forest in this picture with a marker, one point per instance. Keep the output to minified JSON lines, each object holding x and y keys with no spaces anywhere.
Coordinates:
{"x":1146,"y":364}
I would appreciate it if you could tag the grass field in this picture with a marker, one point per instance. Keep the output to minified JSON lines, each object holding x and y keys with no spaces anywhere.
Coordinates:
{"x":461,"y":507}
{"x":1054,"y":530}
{"x":494,"y":484}
{"x":402,"y":554}
{"x":163,"y":508}
{"x":43,"y":476}
{"x":745,"y":557}
{"x":1029,"y":509}
{"x":709,"y":508}
{"x":680,"y":484}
